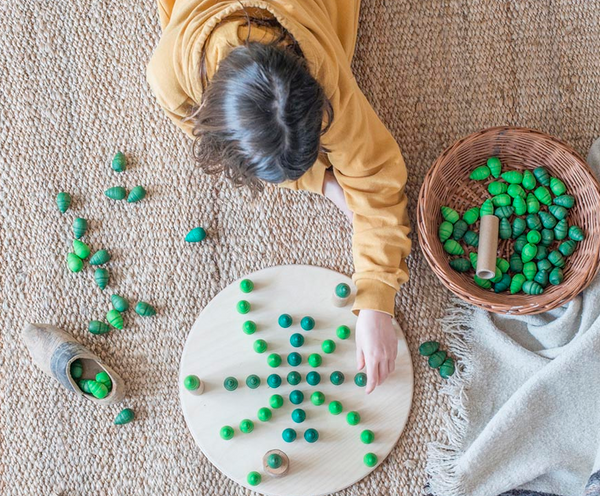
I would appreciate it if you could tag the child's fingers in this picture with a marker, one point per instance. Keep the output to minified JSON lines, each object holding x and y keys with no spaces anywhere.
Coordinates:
{"x":391,"y":365}
{"x":360,"y":358}
{"x":372,"y":375}
{"x":383,"y":371}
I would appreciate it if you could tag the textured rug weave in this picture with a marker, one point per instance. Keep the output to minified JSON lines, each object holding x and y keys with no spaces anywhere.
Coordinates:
{"x":73,"y":92}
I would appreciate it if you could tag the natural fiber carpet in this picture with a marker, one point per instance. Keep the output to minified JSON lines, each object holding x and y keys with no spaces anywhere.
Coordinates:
{"x":73,"y":92}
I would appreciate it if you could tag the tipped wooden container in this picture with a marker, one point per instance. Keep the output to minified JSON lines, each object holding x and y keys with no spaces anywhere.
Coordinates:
{"x":448,"y":183}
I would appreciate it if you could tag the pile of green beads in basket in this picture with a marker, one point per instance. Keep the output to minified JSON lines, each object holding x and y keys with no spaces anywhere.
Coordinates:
{"x":533,"y":208}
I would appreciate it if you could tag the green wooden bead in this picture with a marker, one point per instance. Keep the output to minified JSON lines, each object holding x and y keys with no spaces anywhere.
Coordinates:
{"x":230,"y":383}
{"x":191,"y":382}
{"x":517,"y":283}
{"x":317,"y":398}
{"x":370,"y":459}
{"x":543,"y":195}
{"x":471,"y":238}
{"x":249,"y":327}
{"x":274,"y":460}
{"x":544,"y":264}
{"x":274,"y":360}
{"x":445,"y":230}
{"x":115,"y":319}
{"x":487,"y":208}
{"x":276,"y":401}
{"x":294,"y":359}
{"x":97,"y":327}
{"x":307,"y":323}
{"x":559,"y":212}
{"x":473,"y":259}
{"x":534,"y":222}
{"x":471,"y":215}
{"x":513,"y":177}
{"x":497,"y":188}
{"x":503,"y":284}
{"x":504,"y":229}
{"x":529,"y":252}
{"x":144,"y":309}
{"x":298,"y":415}
{"x":529,"y":270}
{"x":566,"y":201}
{"x":100,"y":257}
{"x":63,"y":201}
{"x":548,"y":220}
{"x":81,"y":249}
{"x":289,"y":435}
{"x":360,"y":379}
{"x":353,"y":418}
{"x":328,"y":346}
{"x":541,"y":278}
{"x":447,"y":368}
{"x":337,"y":378}
{"x":561,"y":230}
{"x":116,"y":193}
{"x":313,"y":378}
{"x":460,"y":264}
{"x":294,"y":378}
{"x":519,"y":205}
{"x":246,"y":286}
{"x":136,"y":194}
{"x":437,"y":358}
{"x":453,"y":248}
{"x":482,"y":283}
{"x":79,"y":227}
{"x":532,"y":288}
{"x":504,"y":212}
{"x":495,"y":166}
{"x":515,"y":191}
{"x":547,"y":237}
{"x":314,"y":360}
{"x":460,"y":228}
{"x":226,"y":432}
{"x":196,"y":235}
{"x":343,"y":332}
{"x":285,"y":320}
{"x":449,"y":214}
{"x":534,"y":237}
{"x":296,"y":340}
{"x":119,"y":303}
{"x":274,"y":381}
{"x":556,"y":276}
{"x":516,"y":264}
{"x":541,"y":174}
{"x":520,"y":242}
{"x":101,"y":277}
{"x":84,"y":385}
{"x":119,"y":162}
{"x":542,"y":252}
{"x":533,"y":204}
{"x":497,"y":276}
{"x":557,"y":186}
{"x":246,"y":426}
{"x":296,"y":397}
{"x":518,"y":227}
{"x":367,"y":436}
{"x":529,"y":182}
{"x":556,"y":258}
{"x":243,"y":307}
{"x":264,"y":414}
{"x":260,"y":346}
{"x":124,"y":417}
{"x":502,"y":264}
{"x":74,"y":263}
{"x":342,"y":290}
{"x":335,"y":408}
{"x":98,"y":390}
{"x":76,"y":369}
{"x":576,"y":233}
{"x":567,"y":247}
{"x":502,"y":200}
{"x":104,"y":378}
{"x":428,"y":348}
{"x":480,"y":173}
{"x":254,"y":478}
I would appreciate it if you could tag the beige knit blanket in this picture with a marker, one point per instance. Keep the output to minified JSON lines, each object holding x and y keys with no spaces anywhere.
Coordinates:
{"x":72,"y":92}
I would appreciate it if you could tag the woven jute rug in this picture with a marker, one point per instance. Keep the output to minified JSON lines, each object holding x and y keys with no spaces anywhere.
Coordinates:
{"x":73,"y":92}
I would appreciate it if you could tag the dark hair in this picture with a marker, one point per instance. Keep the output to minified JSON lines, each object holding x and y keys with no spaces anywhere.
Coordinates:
{"x":261,"y":117}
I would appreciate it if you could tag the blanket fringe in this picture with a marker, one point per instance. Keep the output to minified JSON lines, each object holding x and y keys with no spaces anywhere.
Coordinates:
{"x":457,"y":325}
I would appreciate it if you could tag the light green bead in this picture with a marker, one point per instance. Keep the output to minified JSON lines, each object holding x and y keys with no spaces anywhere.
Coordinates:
{"x":191,"y":382}
{"x":473,"y":259}
{"x":315,"y":360}
{"x":343,"y":332}
{"x":516,"y":191}
{"x":81,"y":249}
{"x":513,"y":177}
{"x":367,"y":436}
{"x":480,"y":173}
{"x":226,"y":432}
{"x":517,"y":283}
{"x":196,"y":235}
{"x":260,"y":346}
{"x":543,"y":195}
{"x":246,"y":426}
{"x":253,"y":478}
{"x":317,"y":398}
{"x":529,"y":182}
{"x":502,"y":200}
{"x":274,"y":360}
{"x":264,"y":414}
{"x":471,"y":215}
{"x":453,"y":248}
{"x":136,"y":194}
{"x":497,"y":188}
{"x":328,"y":346}
{"x":482,"y":283}
{"x":370,"y":459}
{"x":335,"y":408}
{"x":534,"y":237}
{"x":530,"y":270}
{"x":557,"y":186}
{"x":276,"y":401}
{"x":249,"y":327}
{"x":246,"y":286}
{"x":243,"y":307}
{"x":449,"y":214}
{"x":104,"y":378}
{"x":115,"y":319}
{"x":497,"y":277}
{"x":495,"y":166}
{"x":502,"y":264}
{"x":533,"y":204}
{"x":353,"y":418}
{"x":98,"y":390}
{"x":519,"y":205}
{"x":74,"y":263}
{"x":487,"y":208}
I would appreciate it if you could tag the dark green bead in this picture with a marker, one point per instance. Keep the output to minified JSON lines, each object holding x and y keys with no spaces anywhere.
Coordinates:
{"x":544,"y":265}
{"x":311,"y":435}
{"x":547,"y":237}
{"x":516,"y":264}
{"x":124,"y":417}
{"x":253,"y":381}
{"x":504,"y":229}
{"x":296,"y":397}
{"x":471,"y":238}
{"x":518,"y":227}
{"x":313,"y":378}
{"x":289,"y":435}
{"x":296,"y":340}
{"x":541,"y":174}
{"x":436,"y":359}
{"x":556,"y":258}
{"x":447,"y":368}
{"x":195,"y":235}
{"x":274,"y":381}
{"x":576,"y":233}
{"x":504,"y":212}
{"x":561,"y":229}
{"x":360,"y":379}
{"x":136,"y":194}
{"x":230,"y":383}
{"x":307,"y":323}
{"x":548,"y":220}
{"x":294,"y":359}
{"x":534,"y":222}
{"x":337,"y":378}
{"x":503,"y":284}
{"x":542,"y":253}
{"x":285,"y":320}
{"x":541,"y":278}
{"x":342,"y":290}
{"x":520,"y":242}
{"x":460,"y":228}
{"x":274,"y":460}
{"x":559,"y":212}
{"x":532,"y":288}
{"x":567,"y":247}
{"x":429,"y":348}
{"x":556,"y":276}
{"x":460,"y":264}
{"x":294,"y":378}
{"x":298,"y":415}
{"x":566,"y":201}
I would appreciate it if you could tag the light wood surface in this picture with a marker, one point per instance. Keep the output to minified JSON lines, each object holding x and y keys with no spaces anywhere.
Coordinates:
{"x":217,"y":348}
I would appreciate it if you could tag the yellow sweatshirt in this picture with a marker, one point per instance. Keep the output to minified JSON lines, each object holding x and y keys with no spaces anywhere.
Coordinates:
{"x":363,"y":155}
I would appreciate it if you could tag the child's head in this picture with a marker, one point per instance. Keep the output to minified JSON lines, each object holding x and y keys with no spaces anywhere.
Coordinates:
{"x":261,"y":117}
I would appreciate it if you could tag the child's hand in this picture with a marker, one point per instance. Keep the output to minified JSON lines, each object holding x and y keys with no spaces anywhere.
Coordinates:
{"x":376,"y":346}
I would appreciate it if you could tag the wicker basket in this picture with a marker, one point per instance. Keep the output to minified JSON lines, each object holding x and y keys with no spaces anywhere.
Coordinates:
{"x":448,"y":183}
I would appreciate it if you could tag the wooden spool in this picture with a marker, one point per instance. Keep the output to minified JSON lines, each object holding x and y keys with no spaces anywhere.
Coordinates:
{"x":279,"y":471}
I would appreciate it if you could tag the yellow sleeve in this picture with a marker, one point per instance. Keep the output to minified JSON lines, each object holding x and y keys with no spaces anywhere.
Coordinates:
{"x":368,"y":165}
{"x":312,"y":180}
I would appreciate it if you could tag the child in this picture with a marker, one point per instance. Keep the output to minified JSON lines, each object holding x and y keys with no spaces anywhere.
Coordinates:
{"x":266,"y":90}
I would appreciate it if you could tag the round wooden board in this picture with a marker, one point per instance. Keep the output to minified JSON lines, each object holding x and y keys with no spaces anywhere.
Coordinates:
{"x":217,"y":348}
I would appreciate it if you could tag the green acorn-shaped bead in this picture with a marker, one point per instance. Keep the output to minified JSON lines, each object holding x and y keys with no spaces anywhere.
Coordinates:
{"x":145,"y":309}
{"x":101,"y":277}
{"x":471,"y":238}
{"x":116,"y":193}
{"x":115,"y":319}
{"x":544,"y":264}
{"x":453,"y":248}
{"x":516,"y":264}
{"x":547,"y":237}
{"x":104,"y":378}
{"x":561,"y":230}
{"x":495,"y":166}
{"x":76,"y":369}
{"x":100,"y":257}
{"x":543,"y":195}
{"x":566,"y":201}
{"x":81,"y":249}
{"x":529,"y":182}
{"x":534,"y":237}
{"x":473,"y":259}
{"x":436,"y":359}
{"x":556,"y":276}
{"x":502,"y":264}
{"x":532,"y":288}
{"x":497,"y":188}
{"x":460,"y":228}
{"x":559,"y":212}
{"x":471,"y":215}
{"x":480,"y":173}
{"x":63,"y":201}
{"x":576,"y":233}
{"x":502,"y":200}
{"x":136,"y":194}
{"x":518,"y":227}
{"x":567,"y":247}
{"x":504,"y":212}
{"x":487,"y":208}
{"x":97,"y":327}
{"x":482,"y":283}
{"x":541,"y":277}
{"x":557,"y":186}
{"x":557,"y":259}
{"x":447,"y":368}
{"x":84,"y":385}
{"x":504,"y":229}
{"x":529,"y":252}
{"x":519,"y":205}
{"x":529,"y":270}
{"x":74,"y":263}
{"x":449,"y":214}
{"x":541,"y":174}
{"x":520,"y":242}
{"x":513,"y":177}
{"x":516,"y":284}
{"x":542,"y":252}
{"x":497,"y":276}
{"x":428,"y":348}
{"x":119,"y":303}
{"x":98,"y":390}
{"x":460,"y":264}
{"x":533,"y":204}
{"x":195,"y":235}
{"x":124,"y":417}
{"x":119,"y":162}
{"x":534,"y":222}
{"x":503,"y":284}
{"x":515,"y":191}
{"x":445,"y":231}
{"x":548,"y":220}
{"x":79,"y":227}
